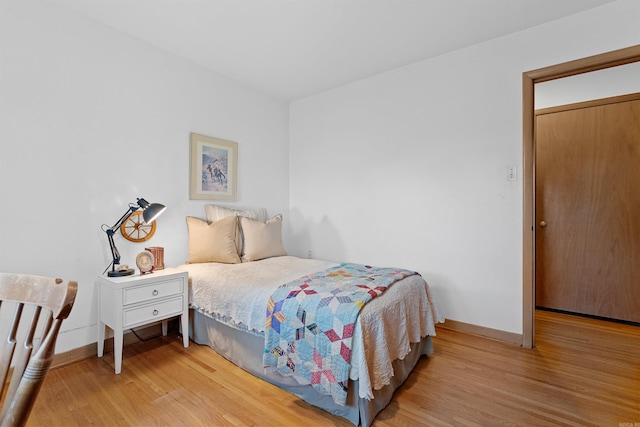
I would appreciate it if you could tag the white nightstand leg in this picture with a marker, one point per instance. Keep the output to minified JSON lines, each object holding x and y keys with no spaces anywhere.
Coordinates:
{"x":164,"y":327}
{"x":184,"y":321}
{"x":101,"y":329}
{"x":117,"y":349}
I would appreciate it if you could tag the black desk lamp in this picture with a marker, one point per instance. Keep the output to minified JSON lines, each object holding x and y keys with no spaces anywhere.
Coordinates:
{"x":150,"y":211}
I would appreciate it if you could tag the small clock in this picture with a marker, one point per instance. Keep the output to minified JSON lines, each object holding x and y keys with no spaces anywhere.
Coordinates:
{"x":144,"y":261}
{"x":135,"y":229}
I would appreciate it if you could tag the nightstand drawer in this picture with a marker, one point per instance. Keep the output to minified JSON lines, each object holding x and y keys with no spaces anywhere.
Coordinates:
{"x":157,"y":290}
{"x":150,"y":312}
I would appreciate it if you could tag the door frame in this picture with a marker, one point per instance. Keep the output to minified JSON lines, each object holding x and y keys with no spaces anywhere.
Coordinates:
{"x":529,"y":79}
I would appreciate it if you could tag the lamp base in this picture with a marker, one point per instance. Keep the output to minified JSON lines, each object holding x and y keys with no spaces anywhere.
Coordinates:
{"x":120,"y":273}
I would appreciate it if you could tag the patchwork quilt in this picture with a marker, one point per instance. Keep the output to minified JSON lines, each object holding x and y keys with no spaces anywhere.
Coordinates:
{"x":310,"y":323}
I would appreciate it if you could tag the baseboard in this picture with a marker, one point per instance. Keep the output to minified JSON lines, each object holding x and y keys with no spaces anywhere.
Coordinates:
{"x":91,"y":350}
{"x":468,"y":328}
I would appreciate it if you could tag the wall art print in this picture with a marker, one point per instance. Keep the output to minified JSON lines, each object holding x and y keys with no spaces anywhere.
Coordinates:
{"x":214,"y":168}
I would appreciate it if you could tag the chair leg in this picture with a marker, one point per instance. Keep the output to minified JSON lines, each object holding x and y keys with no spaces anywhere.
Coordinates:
{"x":32,"y":379}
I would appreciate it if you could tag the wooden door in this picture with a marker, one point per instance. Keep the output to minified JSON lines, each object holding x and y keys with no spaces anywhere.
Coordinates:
{"x":588,"y":208}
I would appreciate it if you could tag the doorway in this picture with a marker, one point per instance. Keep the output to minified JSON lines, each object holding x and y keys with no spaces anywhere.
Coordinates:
{"x":529,"y":79}
{"x":587,"y":187}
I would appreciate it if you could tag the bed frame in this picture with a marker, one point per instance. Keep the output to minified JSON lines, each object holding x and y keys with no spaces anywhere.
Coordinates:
{"x":245,"y":350}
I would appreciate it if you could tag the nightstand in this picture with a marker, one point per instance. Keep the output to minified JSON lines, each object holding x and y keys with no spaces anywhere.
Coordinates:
{"x":131,"y":301}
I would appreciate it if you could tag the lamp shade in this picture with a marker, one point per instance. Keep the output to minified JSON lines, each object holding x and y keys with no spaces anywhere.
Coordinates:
{"x":150,"y":211}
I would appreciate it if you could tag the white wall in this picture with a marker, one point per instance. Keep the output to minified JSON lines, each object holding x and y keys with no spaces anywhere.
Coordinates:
{"x":90,"y":119}
{"x":409,"y":168}
{"x":406,"y":169}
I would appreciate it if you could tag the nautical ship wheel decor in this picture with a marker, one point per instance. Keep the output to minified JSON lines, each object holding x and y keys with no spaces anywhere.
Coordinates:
{"x":135,"y":229}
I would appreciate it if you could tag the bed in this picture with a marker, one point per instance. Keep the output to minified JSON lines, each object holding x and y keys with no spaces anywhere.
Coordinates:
{"x":237,"y":263}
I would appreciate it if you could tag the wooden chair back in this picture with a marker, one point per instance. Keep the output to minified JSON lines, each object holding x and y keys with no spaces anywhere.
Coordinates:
{"x":32,"y":305}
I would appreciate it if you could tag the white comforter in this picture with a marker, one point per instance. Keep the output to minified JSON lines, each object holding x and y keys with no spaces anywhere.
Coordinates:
{"x":237,"y":295}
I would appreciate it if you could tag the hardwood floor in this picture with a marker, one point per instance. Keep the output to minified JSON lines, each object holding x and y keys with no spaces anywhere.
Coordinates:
{"x":582,"y":373}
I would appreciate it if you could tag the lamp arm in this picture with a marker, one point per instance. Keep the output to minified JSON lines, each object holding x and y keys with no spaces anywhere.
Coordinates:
{"x":111,"y":231}
{"x":123,"y":218}
{"x":115,"y":254}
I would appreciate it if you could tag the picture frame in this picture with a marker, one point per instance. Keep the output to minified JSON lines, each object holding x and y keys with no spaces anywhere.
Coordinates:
{"x":214,"y":168}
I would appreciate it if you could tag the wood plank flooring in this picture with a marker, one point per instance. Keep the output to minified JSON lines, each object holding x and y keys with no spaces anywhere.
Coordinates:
{"x":582,"y":373}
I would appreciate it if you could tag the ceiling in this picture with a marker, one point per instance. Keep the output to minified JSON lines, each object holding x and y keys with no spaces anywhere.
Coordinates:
{"x":290,"y":49}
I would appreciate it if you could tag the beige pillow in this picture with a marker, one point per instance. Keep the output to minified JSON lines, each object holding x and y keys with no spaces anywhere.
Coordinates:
{"x":216,"y":213}
{"x":262,"y":239}
{"x":215,"y":242}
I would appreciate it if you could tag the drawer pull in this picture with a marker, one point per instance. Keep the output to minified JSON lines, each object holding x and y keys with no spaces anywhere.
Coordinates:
{"x":155,"y":293}
{"x":155,"y":312}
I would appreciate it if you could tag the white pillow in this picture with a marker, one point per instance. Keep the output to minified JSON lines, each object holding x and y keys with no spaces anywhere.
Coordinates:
{"x":262,"y":239}
{"x":216,"y":213}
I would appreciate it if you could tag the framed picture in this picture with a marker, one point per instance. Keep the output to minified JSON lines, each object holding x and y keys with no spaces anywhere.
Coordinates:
{"x":214,"y":168}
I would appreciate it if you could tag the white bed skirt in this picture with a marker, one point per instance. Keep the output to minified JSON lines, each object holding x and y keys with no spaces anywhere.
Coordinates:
{"x":245,"y":350}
